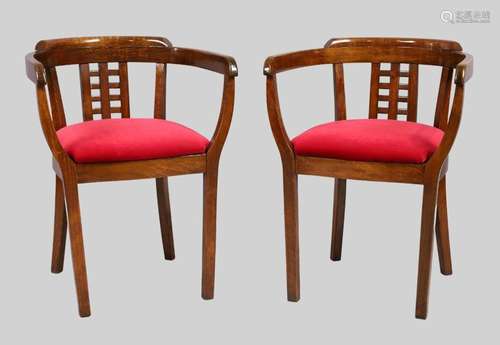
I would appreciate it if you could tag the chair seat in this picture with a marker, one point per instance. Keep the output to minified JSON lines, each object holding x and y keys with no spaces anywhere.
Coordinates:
{"x":113,"y":140}
{"x":370,"y":140}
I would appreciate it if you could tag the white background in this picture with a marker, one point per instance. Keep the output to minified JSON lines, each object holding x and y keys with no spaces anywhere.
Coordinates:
{"x":137,"y":297}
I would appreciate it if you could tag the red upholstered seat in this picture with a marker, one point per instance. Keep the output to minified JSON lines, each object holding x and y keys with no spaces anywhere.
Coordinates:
{"x":114,"y":140}
{"x":370,"y":140}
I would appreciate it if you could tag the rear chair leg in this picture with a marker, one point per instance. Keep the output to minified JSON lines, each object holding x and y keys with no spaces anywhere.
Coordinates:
{"x":426,"y":242}
{"x":60,"y":229}
{"x":165,"y":218}
{"x":76,"y":239}
{"x":442,"y":233}
{"x":338,"y":219}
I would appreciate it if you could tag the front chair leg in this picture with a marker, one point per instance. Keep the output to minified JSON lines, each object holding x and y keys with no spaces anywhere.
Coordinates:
{"x":291,"y":234}
{"x":76,"y":239}
{"x":60,"y":229}
{"x":425,"y":253}
{"x":209,"y":232}
{"x":442,"y":233}
{"x":338,"y":219}
{"x":165,"y":218}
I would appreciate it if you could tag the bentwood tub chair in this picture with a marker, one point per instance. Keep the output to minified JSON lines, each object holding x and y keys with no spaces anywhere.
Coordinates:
{"x":391,"y":149}
{"x":111,"y":145}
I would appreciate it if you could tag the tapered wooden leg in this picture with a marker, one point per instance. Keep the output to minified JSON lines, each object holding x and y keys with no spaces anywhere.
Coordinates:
{"x":77,"y":250}
{"x":165,"y":218}
{"x":442,"y":234}
{"x":425,"y":253}
{"x":60,"y":226}
{"x":292,"y":235}
{"x":209,"y":233}
{"x":338,"y":219}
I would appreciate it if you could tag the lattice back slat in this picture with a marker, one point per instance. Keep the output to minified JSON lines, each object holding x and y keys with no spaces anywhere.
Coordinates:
{"x":101,"y":93}
{"x":394,"y":91}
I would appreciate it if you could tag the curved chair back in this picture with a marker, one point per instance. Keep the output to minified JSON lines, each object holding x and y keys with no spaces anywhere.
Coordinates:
{"x":393,"y":89}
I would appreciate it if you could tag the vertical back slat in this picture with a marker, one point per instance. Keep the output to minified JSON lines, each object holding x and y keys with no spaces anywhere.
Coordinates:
{"x":104,"y":90}
{"x":124,"y":94}
{"x":339,"y":92}
{"x":443,"y":99}
{"x":412,"y":92}
{"x":160,"y":91}
{"x":56,"y":103}
{"x":374,"y":91}
{"x":393,"y":92}
{"x":86,"y":92}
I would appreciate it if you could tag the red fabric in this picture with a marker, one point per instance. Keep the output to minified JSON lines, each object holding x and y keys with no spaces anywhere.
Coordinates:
{"x":370,"y":140}
{"x":114,"y":140}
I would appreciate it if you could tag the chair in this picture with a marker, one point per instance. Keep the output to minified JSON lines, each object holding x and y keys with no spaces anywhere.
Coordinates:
{"x":375,"y":149}
{"x":112,"y":149}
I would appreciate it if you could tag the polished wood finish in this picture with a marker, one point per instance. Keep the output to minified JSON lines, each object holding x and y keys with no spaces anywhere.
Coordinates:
{"x":104,"y":92}
{"x":399,"y":102}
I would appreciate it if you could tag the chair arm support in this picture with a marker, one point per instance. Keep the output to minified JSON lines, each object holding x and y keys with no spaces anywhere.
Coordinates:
{"x":214,"y":62}
{"x":48,"y":128}
{"x":440,"y":155}
{"x":464,"y":71}
{"x":224,"y":121}
{"x":276,"y":120}
{"x":35,"y":70}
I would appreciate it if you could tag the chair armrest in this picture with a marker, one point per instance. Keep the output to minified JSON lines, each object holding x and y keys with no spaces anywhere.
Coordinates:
{"x":284,"y":62}
{"x":464,"y":70}
{"x":35,"y":70}
{"x":199,"y":58}
{"x":36,"y":73}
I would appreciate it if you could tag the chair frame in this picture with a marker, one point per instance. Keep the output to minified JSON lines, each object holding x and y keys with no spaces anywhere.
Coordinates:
{"x":431,"y":174}
{"x":41,"y":69}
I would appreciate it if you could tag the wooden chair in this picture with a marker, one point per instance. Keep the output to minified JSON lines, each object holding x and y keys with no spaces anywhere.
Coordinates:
{"x":124,"y":149}
{"x":374,"y":149}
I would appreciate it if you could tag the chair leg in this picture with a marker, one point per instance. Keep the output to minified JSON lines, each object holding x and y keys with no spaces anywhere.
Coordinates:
{"x":165,"y":218}
{"x":60,"y":229}
{"x":291,"y":235}
{"x":76,"y":239}
{"x":209,"y":233}
{"x":442,"y":233}
{"x":425,"y":254}
{"x":338,"y":219}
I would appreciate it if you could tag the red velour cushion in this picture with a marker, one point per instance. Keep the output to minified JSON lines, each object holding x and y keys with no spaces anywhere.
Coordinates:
{"x":370,"y":140}
{"x":114,"y":140}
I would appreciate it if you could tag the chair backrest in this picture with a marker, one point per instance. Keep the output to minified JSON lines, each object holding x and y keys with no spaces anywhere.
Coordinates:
{"x":394,"y":89}
{"x":104,"y":88}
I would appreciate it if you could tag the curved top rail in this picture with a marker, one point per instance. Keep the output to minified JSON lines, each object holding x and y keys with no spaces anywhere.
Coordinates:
{"x":433,"y":44}
{"x":102,"y":42}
